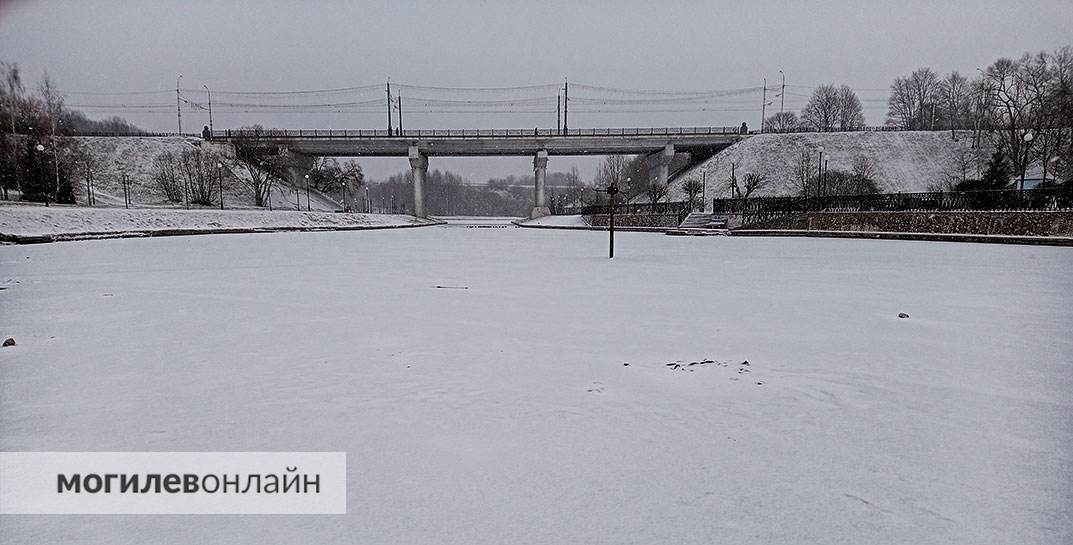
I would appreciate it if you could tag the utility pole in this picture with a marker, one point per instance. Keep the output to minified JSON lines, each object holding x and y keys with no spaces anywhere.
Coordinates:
{"x":566,"y":105}
{"x":558,"y":114}
{"x":178,"y":104}
{"x":388,"y":106}
{"x":782,"y":93}
{"x":400,"y":113}
{"x":763,"y":108}
{"x":210,"y":105}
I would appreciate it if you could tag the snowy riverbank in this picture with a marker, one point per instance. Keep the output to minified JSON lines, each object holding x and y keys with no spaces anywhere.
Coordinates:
{"x":27,"y":224}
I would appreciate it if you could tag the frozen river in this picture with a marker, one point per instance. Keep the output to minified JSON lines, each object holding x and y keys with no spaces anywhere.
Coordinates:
{"x":477,"y":380}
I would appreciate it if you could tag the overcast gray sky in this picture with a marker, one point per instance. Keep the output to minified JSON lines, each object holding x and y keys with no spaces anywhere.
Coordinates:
{"x":133,"y":46}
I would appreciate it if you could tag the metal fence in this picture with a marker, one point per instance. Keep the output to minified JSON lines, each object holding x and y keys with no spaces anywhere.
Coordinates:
{"x":679,"y":209}
{"x":1052,"y":198}
{"x":469,"y":133}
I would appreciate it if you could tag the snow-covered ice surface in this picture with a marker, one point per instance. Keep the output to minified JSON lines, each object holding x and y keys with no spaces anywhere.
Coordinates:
{"x":61,"y":220}
{"x":505,"y":413}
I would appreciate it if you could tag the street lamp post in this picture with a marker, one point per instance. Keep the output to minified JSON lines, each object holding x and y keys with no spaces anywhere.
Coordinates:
{"x":629,"y":192}
{"x":220,"y":179}
{"x":1024,"y":162}
{"x":703,"y":189}
{"x":611,"y":191}
{"x":308,"y":207}
{"x":209,"y":94}
{"x":178,"y":104}
{"x":41,"y":149}
{"x":298,"y":196}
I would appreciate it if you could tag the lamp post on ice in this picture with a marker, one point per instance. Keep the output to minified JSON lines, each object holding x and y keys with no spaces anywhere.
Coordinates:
{"x":611,"y":191}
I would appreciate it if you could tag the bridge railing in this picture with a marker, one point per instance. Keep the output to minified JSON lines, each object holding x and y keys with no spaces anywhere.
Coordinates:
{"x":269,"y":134}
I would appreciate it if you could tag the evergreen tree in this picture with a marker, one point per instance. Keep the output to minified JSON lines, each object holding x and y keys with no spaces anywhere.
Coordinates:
{"x":997,"y":175}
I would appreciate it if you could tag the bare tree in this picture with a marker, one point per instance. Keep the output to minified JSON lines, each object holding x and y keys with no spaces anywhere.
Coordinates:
{"x":850,"y":113}
{"x":656,"y":191}
{"x":13,"y":94}
{"x":954,"y":93}
{"x":692,"y":188}
{"x":53,"y":109}
{"x":614,"y":170}
{"x":263,"y":171}
{"x":803,"y":173}
{"x":962,"y":167}
{"x":782,"y":122}
{"x":822,"y":111}
{"x":200,"y":175}
{"x":863,"y":167}
{"x":751,"y":182}
{"x":1018,"y":100}
{"x":87,"y":165}
{"x":166,"y":176}
{"x":912,"y":104}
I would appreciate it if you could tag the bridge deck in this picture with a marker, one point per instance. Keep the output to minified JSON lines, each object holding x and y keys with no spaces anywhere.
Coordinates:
{"x":479,"y":142}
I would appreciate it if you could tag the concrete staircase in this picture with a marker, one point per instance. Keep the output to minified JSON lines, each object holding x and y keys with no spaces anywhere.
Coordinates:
{"x":701,"y":224}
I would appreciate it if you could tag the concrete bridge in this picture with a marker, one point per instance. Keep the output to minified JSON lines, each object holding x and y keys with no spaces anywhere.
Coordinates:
{"x":659,"y":145}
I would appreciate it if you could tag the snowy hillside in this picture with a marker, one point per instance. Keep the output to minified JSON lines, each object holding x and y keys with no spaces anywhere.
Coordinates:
{"x":903,"y":161}
{"x":81,"y":222}
{"x":134,"y":157}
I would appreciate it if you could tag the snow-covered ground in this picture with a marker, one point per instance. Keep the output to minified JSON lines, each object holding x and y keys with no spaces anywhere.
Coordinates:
{"x":506,"y":413}
{"x":76,"y":221}
{"x":903,"y":161}
{"x":135,"y":157}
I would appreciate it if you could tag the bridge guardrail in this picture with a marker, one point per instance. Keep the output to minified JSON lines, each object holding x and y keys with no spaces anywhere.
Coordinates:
{"x":269,"y":134}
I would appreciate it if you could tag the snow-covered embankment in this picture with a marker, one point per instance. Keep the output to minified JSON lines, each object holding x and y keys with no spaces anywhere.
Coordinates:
{"x":29,"y":224}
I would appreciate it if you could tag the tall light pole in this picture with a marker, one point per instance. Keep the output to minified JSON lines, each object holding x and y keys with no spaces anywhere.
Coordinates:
{"x":782,"y":93}
{"x":209,"y":94}
{"x":703,"y":188}
{"x":220,"y":176}
{"x":763,"y":108}
{"x":40,"y":150}
{"x":299,"y":199}
{"x":178,"y":104}
{"x":612,"y":190}
{"x":1024,"y":162}
{"x":819,"y":173}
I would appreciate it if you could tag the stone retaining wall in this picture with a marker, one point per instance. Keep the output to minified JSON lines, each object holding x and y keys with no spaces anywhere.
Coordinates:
{"x":1030,"y":223}
{"x":637,"y":220}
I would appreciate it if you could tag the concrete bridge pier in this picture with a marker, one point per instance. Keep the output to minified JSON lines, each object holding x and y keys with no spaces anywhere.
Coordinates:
{"x":419,"y":168}
{"x":663,"y":164}
{"x":540,"y":171}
